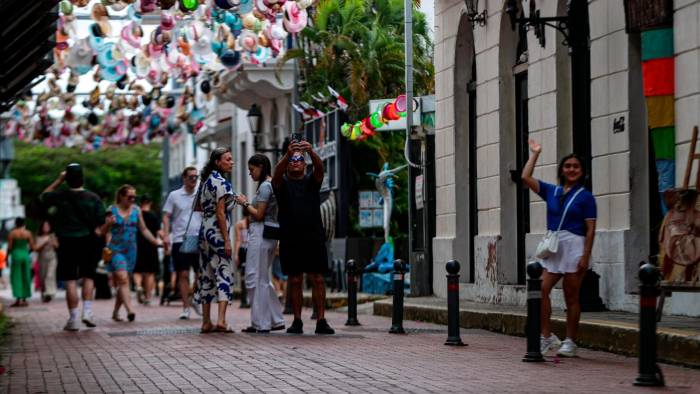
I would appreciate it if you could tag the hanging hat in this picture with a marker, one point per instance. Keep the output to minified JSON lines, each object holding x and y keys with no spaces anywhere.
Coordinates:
{"x":230,"y":58}
{"x":260,"y":6}
{"x":167,"y":22}
{"x":166,"y":4}
{"x":148,"y":6}
{"x":234,"y":22}
{"x":304,"y":4}
{"x":224,"y":4}
{"x":80,"y":3}
{"x":245,"y":6}
{"x":134,"y":14}
{"x":262,"y":55}
{"x":140,"y":65}
{"x":80,"y":56}
{"x":66,"y":7}
{"x":294,"y":18}
{"x":188,"y":5}
{"x":117,"y":5}
{"x":132,"y":34}
{"x":248,"y":41}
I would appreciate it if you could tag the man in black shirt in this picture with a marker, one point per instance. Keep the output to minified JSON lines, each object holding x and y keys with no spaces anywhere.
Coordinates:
{"x":76,"y":215}
{"x":302,"y":239}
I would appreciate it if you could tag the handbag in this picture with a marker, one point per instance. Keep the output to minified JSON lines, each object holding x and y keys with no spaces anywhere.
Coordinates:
{"x":549,"y":245}
{"x":271,"y":231}
{"x":190,"y":243}
{"x":106,"y":255}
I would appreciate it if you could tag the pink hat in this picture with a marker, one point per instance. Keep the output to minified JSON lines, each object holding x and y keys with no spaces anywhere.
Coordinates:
{"x":294,"y":18}
{"x":132,"y":34}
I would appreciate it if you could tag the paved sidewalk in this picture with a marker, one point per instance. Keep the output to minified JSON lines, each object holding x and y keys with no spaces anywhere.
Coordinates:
{"x":159,"y":353}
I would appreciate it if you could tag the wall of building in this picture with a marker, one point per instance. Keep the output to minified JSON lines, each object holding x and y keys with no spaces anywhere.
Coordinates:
{"x":619,"y":159}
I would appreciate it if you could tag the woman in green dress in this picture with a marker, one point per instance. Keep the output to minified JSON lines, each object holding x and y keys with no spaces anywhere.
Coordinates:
{"x":19,"y":243}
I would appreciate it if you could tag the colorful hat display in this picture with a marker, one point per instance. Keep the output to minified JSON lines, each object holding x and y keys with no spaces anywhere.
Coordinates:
{"x":294,"y":18}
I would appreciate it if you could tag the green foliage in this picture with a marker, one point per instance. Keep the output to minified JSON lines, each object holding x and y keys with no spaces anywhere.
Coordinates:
{"x":36,"y":166}
{"x":357,"y":47}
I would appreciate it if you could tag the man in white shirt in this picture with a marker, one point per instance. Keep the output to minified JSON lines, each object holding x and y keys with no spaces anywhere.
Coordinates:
{"x":176,"y":214}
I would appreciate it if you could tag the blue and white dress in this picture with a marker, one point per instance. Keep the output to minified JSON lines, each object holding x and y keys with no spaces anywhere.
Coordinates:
{"x":215,"y":268}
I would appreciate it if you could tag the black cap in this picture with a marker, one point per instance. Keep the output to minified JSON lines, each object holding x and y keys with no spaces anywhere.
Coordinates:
{"x":145,"y":198}
{"x":74,"y":175}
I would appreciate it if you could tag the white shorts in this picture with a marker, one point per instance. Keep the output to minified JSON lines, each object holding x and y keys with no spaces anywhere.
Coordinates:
{"x":569,"y":253}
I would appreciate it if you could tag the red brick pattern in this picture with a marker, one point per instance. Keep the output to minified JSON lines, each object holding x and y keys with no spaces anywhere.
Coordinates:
{"x":135,"y":358}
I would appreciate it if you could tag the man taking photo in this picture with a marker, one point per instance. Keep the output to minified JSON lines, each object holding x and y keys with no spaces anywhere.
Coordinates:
{"x":302,"y":238}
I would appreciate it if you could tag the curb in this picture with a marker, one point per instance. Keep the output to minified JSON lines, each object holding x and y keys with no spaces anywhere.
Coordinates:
{"x":672,"y":347}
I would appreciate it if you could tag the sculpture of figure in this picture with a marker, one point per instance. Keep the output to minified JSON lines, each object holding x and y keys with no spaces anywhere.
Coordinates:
{"x":384,"y":182}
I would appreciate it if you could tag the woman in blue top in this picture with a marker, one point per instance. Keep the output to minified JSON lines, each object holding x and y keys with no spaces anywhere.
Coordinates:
{"x":576,"y":235}
{"x":124,"y":218}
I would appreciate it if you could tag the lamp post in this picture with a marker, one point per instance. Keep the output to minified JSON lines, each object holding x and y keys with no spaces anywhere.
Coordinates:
{"x":475,"y":17}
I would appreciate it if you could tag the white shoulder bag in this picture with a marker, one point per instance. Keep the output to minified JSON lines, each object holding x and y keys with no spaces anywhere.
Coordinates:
{"x":550,"y":242}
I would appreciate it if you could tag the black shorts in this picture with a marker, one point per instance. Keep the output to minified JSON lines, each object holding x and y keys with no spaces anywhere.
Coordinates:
{"x":183,"y":261}
{"x":303,"y":257}
{"x":77,"y":258}
{"x":146,"y":259}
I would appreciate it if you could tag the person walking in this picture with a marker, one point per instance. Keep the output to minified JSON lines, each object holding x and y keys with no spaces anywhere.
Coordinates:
{"x":76,"y":215}
{"x":19,"y":243}
{"x":3,"y":263}
{"x":302,"y":238}
{"x":147,"y":261}
{"x":263,"y":232}
{"x":572,"y":213}
{"x":123,"y":220}
{"x":240,"y":247}
{"x":215,"y":200}
{"x":46,"y":245}
{"x":177,"y":213}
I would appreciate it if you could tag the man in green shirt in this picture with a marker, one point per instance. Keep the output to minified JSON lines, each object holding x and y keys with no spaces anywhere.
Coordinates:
{"x":76,"y":214}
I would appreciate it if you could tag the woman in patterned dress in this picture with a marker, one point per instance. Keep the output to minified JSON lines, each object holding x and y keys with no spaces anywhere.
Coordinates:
{"x":124,"y":218}
{"x":216,"y":265}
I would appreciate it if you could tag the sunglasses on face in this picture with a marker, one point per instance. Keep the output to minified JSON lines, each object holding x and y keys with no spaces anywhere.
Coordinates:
{"x":192,"y":177}
{"x":131,"y":198}
{"x":295,"y":159}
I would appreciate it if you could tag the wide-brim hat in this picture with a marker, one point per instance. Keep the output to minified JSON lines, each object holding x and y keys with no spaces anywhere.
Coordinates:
{"x":248,"y":41}
{"x":188,"y":5}
{"x":263,"y":54}
{"x":132,"y":34}
{"x":166,"y":4}
{"x":118,"y":5}
{"x":246,"y":6}
{"x":80,"y":57}
{"x":230,"y":58}
{"x":260,"y":6}
{"x":148,"y":6}
{"x":140,"y":65}
{"x":224,"y":4}
{"x":167,"y":22}
{"x":294,"y":18}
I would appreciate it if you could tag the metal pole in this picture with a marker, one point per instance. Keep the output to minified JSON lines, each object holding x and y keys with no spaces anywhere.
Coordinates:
{"x":649,"y":372}
{"x":534,"y":305}
{"x":295,"y":88}
{"x":397,"y":305}
{"x":453,"y":337}
{"x":351,"y":271}
{"x":165,"y":176}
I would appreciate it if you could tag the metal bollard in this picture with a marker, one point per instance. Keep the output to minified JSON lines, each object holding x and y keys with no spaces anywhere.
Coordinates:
{"x":244,"y":290}
{"x":351,"y":271}
{"x":649,"y":372}
{"x":397,"y":306}
{"x":534,"y":312}
{"x":453,"y":337}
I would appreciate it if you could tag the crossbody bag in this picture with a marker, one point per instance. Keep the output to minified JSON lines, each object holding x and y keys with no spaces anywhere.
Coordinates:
{"x":190,"y":243}
{"x":549,"y":245}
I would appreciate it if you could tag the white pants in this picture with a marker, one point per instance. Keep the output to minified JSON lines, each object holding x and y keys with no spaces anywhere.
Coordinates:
{"x":265,"y":307}
{"x":566,"y":259}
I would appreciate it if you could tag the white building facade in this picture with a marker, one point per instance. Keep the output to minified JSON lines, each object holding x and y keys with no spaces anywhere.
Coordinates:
{"x":495,"y":88}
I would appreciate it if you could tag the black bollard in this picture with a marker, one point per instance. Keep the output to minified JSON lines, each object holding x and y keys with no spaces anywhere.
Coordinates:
{"x":351,"y":271}
{"x":397,"y":306}
{"x":244,"y":289}
{"x":453,"y":337}
{"x":534,"y":312}
{"x":649,"y":372}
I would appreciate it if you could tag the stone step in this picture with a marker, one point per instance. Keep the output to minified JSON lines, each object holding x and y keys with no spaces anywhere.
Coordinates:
{"x":678,"y":338}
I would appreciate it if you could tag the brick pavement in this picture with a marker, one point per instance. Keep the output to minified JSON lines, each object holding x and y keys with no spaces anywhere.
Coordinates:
{"x":159,"y":353}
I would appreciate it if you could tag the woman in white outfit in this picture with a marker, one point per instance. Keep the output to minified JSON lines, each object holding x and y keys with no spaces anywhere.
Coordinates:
{"x":265,"y":308}
{"x":571,"y":212}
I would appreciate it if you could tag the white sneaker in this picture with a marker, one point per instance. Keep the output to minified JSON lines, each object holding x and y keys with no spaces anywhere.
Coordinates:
{"x":568,"y":348}
{"x":89,"y":319}
{"x":195,"y":306}
{"x":547,"y":344}
{"x":72,"y":325}
{"x":185,"y":315}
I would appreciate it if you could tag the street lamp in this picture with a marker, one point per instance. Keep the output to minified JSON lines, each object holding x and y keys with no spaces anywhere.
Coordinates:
{"x":537,"y":23}
{"x":254,"y":116}
{"x":473,"y":13}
